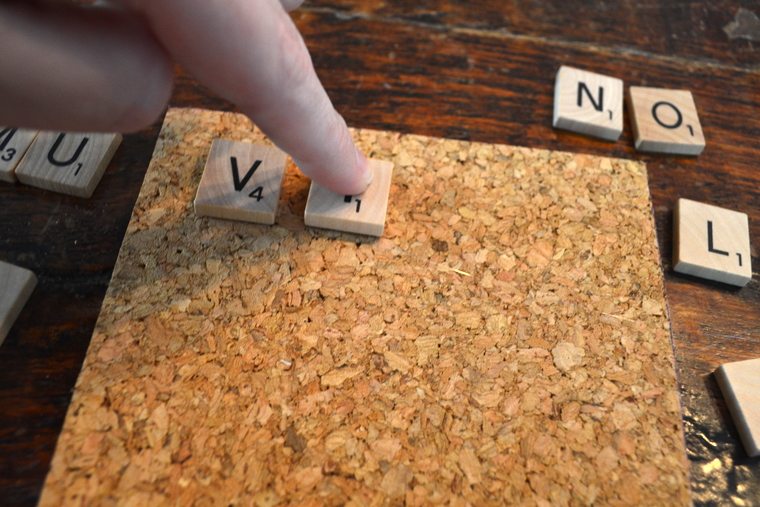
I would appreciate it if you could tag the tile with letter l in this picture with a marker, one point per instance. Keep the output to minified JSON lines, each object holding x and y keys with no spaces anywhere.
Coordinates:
{"x":361,"y":214}
{"x":665,"y":121}
{"x":740,"y":384}
{"x":588,"y":103}
{"x":241,"y":181}
{"x":13,"y":145}
{"x":711,"y":242}
{"x":16,"y":285}
{"x":68,"y":163}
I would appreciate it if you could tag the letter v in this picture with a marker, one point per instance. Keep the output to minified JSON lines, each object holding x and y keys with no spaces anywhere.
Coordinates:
{"x":240,"y":185}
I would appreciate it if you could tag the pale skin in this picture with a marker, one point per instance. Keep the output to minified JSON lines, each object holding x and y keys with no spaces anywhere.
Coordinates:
{"x":110,"y":68}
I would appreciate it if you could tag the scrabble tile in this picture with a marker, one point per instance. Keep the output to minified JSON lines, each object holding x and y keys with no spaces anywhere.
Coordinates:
{"x":13,"y":146}
{"x":241,"y":181}
{"x":665,"y":121}
{"x":740,"y":384}
{"x":588,"y":103}
{"x":361,"y":214}
{"x":711,"y":242}
{"x":16,"y":285}
{"x":67,"y":163}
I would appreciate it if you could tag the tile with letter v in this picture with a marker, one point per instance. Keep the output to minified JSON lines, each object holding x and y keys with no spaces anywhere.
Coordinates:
{"x":68,"y":163}
{"x":711,"y":242}
{"x":241,"y":181}
{"x":13,"y":146}
{"x":361,"y":214}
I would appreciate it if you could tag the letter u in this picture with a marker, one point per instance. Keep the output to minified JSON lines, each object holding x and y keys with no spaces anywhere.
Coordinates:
{"x":57,"y":144}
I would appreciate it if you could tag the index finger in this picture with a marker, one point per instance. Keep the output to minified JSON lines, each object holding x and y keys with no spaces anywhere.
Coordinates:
{"x":250,"y":52}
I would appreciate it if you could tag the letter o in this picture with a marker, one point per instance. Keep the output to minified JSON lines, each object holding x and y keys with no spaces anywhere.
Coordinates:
{"x":679,"y":119}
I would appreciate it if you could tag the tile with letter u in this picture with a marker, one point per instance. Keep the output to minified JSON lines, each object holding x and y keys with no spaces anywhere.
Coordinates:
{"x":68,"y":163}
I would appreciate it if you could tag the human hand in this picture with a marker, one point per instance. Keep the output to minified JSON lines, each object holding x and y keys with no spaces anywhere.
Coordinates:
{"x":106,"y":68}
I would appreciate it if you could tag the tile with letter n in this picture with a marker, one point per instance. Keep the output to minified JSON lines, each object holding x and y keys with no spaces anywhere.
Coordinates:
{"x":740,"y":384}
{"x":241,"y":181}
{"x":13,"y":146}
{"x":361,"y":214}
{"x":68,"y":163}
{"x":711,"y":242}
{"x":588,"y":103}
{"x":665,"y":121}
{"x":16,"y":285}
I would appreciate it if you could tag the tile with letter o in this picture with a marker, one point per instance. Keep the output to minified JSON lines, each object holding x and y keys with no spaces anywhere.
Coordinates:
{"x":68,"y":163}
{"x":665,"y":121}
{"x":241,"y":181}
{"x":360,"y":214}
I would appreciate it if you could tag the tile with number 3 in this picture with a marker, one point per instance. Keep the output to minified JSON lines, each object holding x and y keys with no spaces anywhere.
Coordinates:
{"x":13,"y":146}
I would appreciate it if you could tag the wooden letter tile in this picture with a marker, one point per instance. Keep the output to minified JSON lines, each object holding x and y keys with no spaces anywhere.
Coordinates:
{"x":13,"y":146}
{"x":16,"y":285}
{"x":67,"y":163}
{"x":241,"y":181}
{"x":740,"y":384}
{"x":588,"y":103}
{"x":361,"y":214}
{"x":711,"y":242}
{"x":665,"y":121}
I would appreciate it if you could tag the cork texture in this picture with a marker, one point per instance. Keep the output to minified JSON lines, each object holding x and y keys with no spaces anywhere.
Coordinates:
{"x":505,"y":343}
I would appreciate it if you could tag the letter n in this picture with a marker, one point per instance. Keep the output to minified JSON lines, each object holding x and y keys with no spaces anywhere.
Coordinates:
{"x":599,"y":106}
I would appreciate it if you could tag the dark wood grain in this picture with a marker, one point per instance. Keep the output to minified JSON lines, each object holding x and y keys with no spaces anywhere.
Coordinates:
{"x":680,"y":30}
{"x":481,"y":71}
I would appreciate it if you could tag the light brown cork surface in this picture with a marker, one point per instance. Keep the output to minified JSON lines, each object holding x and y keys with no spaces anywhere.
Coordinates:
{"x":505,"y":343}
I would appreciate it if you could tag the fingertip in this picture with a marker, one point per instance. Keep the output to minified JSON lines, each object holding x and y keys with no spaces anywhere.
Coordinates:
{"x":291,"y":5}
{"x":149,"y":103}
{"x":366,"y":170}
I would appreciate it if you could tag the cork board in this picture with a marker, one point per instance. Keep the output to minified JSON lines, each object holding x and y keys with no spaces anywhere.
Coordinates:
{"x":506,"y":342}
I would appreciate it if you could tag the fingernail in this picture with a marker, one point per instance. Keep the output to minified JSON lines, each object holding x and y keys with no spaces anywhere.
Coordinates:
{"x":366,"y":170}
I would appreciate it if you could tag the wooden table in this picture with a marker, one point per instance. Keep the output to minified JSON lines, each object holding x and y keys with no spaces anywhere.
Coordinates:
{"x":479,"y":70}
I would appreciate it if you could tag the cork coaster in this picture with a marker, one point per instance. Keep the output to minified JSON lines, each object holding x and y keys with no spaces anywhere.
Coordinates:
{"x":505,"y":342}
